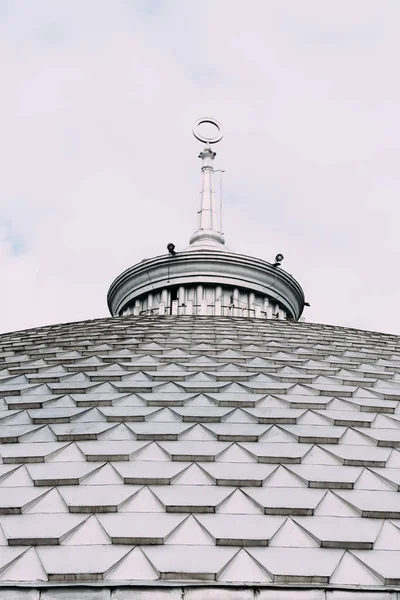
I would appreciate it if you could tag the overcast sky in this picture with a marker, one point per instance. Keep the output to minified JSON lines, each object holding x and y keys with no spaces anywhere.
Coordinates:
{"x":99,"y":169}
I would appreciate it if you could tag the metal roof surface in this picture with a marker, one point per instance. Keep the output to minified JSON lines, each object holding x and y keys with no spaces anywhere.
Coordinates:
{"x":200,"y":449}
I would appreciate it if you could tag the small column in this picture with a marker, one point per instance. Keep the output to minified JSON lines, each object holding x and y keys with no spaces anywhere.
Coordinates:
{"x":199,"y":297}
{"x":168,"y":305}
{"x":236,"y":311}
{"x":181,"y":300}
{"x":189,"y":307}
{"x":252,"y":301}
{"x":257,"y":311}
{"x":203,"y":307}
{"x":245,"y":305}
{"x":161,"y":308}
{"x":219,"y":300}
{"x":136,"y":309}
{"x":149,"y":302}
{"x":174,"y":307}
{"x":267,"y":309}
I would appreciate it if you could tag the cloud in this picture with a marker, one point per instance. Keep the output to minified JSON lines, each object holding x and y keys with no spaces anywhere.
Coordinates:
{"x":99,"y":168}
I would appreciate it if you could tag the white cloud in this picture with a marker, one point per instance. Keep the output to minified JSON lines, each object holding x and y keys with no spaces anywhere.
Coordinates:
{"x":99,"y":168}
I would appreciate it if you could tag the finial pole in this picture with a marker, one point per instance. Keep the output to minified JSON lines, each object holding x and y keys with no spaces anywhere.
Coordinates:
{"x":207,"y":232}
{"x":207,"y":212}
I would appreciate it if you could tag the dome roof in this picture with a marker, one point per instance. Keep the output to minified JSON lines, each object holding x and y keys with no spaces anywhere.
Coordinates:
{"x":202,"y":443}
{"x":212,"y":451}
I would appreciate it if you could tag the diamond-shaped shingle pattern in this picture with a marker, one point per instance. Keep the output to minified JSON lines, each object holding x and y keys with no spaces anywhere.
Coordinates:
{"x":200,"y":449}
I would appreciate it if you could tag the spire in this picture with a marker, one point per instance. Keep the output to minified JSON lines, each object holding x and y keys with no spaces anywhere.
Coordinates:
{"x":207,"y":233}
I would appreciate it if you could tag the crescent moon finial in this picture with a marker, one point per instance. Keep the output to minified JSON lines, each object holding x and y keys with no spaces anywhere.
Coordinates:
{"x":206,"y":139}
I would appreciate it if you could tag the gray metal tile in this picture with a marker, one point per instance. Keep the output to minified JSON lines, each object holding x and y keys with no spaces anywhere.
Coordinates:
{"x":71,"y":563}
{"x":49,"y":530}
{"x":189,"y":562}
{"x":286,"y":501}
{"x":241,"y":530}
{"x":298,"y":565}
{"x":187,"y":498}
{"x":97,"y":498}
{"x":140,"y":528}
